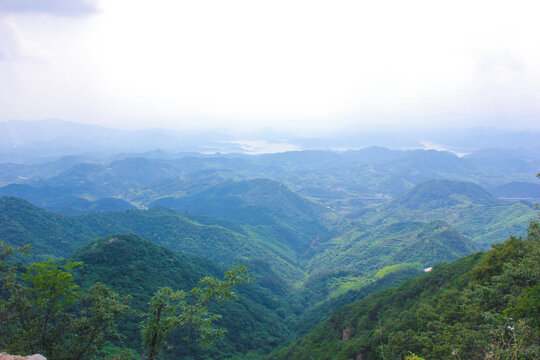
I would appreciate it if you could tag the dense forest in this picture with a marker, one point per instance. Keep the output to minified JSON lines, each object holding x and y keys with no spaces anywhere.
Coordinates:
{"x":366,"y":254}
{"x":482,"y":306}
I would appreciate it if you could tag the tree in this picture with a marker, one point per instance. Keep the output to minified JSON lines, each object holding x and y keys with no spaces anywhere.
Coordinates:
{"x":172,"y":309}
{"x":42,"y":314}
{"x":7,"y":282}
{"x":97,"y":321}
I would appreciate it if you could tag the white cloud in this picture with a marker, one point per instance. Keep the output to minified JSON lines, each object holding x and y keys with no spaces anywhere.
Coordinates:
{"x":288,"y":64}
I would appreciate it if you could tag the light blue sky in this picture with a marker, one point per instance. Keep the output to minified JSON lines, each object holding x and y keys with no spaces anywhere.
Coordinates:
{"x":302,"y":66}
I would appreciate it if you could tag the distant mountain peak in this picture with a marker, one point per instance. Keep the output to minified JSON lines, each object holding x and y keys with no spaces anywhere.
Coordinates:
{"x":434,"y":194}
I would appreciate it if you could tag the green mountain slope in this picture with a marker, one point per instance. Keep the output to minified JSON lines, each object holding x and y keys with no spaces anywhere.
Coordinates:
{"x":131,"y":265}
{"x":49,"y":234}
{"x":436,"y":194}
{"x":367,"y":249}
{"x":324,"y":293}
{"x":466,"y":206}
{"x":269,"y":211}
{"x":63,"y":200}
{"x":60,"y":235}
{"x":363,"y":260}
{"x":484,"y":304}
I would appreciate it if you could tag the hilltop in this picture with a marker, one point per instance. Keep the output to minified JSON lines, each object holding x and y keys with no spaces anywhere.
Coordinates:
{"x":434,"y":194}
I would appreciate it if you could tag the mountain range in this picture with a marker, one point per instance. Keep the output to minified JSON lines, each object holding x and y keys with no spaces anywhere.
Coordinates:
{"x":325,"y":234}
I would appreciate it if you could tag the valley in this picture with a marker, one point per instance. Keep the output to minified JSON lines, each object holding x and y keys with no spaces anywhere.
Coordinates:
{"x":318,"y":230}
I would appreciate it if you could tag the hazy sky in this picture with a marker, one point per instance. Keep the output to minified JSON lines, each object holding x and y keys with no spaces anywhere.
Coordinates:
{"x":276,"y":64}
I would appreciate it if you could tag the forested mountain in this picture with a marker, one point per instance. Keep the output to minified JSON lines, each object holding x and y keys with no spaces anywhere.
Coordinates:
{"x":59,"y":235}
{"x":137,"y":267}
{"x":318,"y":230}
{"x":480,"y":306}
{"x":366,"y":250}
{"x":269,"y":211}
{"x":341,"y":180}
{"x":474,"y":212}
{"x":61,"y":200}
{"x":435,"y":194}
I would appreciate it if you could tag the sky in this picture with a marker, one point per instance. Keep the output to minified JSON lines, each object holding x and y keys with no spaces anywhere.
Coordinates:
{"x":294,"y":65}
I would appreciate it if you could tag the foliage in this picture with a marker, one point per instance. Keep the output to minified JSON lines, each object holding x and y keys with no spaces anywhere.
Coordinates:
{"x":463,"y":205}
{"x":101,"y":308}
{"x":279,"y":226}
{"x":413,"y":357}
{"x":45,"y":312}
{"x":484,"y":306}
{"x":368,"y":249}
{"x":112,"y":352}
{"x":6,"y":251}
{"x":38,"y":306}
{"x":171,"y":309}
{"x":60,"y":235}
{"x":131,"y":265}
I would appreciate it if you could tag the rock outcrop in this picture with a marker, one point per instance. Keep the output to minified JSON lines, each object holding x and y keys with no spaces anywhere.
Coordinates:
{"x":4,"y":356}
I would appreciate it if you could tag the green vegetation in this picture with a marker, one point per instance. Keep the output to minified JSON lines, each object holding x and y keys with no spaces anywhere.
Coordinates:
{"x":367,"y":249}
{"x":435,"y":194}
{"x":393,"y":268}
{"x":56,"y":235}
{"x":464,"y":206}
{"x":172,"y":309}
{"x":313,"y":303}
{"x":321,"y":232}
{"x":272,"y":213}
{"x":479,"y":307}
{"x":131,"y":265}
{"x":44,"y":311}
{"x":344,"y":181}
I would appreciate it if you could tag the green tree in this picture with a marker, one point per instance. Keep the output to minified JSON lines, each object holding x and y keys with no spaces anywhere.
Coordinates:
{"x":46,"y":313}
{"x":6,"y":251}
{"x":97,"y":321}
{"x":172,"y":309}
{"x":37,"y":307}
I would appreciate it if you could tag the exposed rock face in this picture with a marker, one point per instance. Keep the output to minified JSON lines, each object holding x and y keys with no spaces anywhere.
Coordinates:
{"x":4,"y":356}
{"x":347,"y":334}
